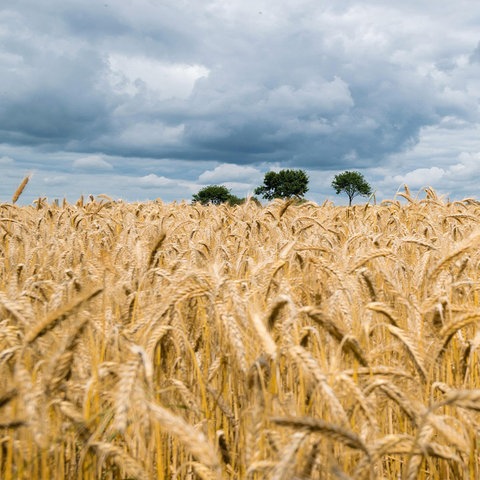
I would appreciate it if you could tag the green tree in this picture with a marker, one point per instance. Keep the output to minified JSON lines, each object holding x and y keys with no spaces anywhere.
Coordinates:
{"x":234,"y":200}
{"x":215,"y":194}
{"x":284,"y":184}
{"x":352,"y":183}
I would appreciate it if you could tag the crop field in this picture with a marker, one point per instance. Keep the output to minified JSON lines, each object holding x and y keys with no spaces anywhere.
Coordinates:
{"x":289,"y":341}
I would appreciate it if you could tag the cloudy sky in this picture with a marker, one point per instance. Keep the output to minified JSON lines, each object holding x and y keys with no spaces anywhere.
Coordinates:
{"x":154,"y":99}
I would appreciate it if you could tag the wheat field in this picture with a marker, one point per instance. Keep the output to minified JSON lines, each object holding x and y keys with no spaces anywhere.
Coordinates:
{"x":290,"y":341}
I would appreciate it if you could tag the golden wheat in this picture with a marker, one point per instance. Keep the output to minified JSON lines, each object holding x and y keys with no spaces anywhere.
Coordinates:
{"x":152,"y":340}
{"x":20,"y":189}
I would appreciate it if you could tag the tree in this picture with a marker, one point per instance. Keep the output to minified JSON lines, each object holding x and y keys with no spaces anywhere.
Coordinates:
{"x":216,"y":194}
{"x":234,"y":200}
{"x":284,"y":184}
{"x":352,"y":183}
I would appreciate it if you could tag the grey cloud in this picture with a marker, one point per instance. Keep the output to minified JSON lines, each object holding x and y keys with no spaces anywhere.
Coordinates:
{"x":332,"y":119}
{"x":53,"y":97}
{"x":92,"y":163}
{"x":277,"y":109}
{"x":98,"y":20}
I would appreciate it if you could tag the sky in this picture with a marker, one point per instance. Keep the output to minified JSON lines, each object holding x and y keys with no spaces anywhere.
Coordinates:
{"x":148,"y":99}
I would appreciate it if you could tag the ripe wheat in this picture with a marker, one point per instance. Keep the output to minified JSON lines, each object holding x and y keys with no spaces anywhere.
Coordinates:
{"x":179,"y":341}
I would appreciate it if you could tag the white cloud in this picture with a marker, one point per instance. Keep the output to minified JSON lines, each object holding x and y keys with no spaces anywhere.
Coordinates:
{"x":92,"y":162}
{"x":56,"y":180}
{"x":131,"y":74}
{"x":230,"y":173}
{"x":421,"y":177}
{"x":154,"y":181}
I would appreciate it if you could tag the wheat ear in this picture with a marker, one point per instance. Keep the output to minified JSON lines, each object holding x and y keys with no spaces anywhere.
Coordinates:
{"x":155,"y":249}
{"x":387,"y":445}
{"x":8,"y":396}
{"x":193,"y":440}
{"x":203,"y":472}
{"x":382,"y":308}
{"x":348,"y":343}
{"x":448,"y":259}
{"x":62,"y":362}
{"x":328,"y":430}
{"x":469,"y":399}
{"x":308,"y":363}
{"x":122,"y":459}
{"x":395,"y":394}
{"x":448,"y":331}
{"x":125,"y":388}
{"x":285,"y":469}
{"x":20,"y":189}
{"x":59,"y":315}
{"x":411,"y":348}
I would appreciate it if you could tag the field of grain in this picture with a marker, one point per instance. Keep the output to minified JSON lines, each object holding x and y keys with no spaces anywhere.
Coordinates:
{"x":176,"y":341}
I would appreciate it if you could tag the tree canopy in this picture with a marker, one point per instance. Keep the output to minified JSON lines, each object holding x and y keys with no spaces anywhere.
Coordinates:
{"x":216,"y":194}
{"x":352,"y":183}
{"x":283,"y":184}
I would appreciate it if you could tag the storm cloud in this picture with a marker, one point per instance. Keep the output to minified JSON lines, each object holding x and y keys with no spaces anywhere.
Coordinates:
{"x":156,"y":98}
